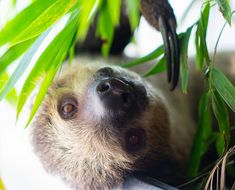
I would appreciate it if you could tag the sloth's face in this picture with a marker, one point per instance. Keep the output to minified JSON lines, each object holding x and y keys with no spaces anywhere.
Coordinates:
{"x":100,"y":119}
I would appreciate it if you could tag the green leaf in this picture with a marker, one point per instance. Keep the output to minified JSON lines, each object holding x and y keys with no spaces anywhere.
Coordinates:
{"x":51,"y":73}
{"x":87,"y":12}
{"x":13,"y":2}
{"x":202,"y":136}
{"x":42,"y":92}
{"x":225,"y":9}
{"x":1,"y":185}
{"x":21,"y":21}
{"x":220,"y":144}
{"x":224,"y":87}
{"x":105,"y":28}
{"x":153,"y":55}
{"x":52,"y":56}
{"x":46,"y":19}
{"x":114,"y":9}
{"x":202,"y":55}
{"x":12,"y":95}
{"x":13,"y":53}
{"x":158,"y":68}
{"x":199,"y":62}
{"x":221,"y":114}
{"x":22,"y":66}
{"x":184,"y":41}
{"x":133,"y":12}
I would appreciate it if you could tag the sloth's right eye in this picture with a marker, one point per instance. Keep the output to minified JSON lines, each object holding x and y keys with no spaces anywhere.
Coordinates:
{"x":67,"y":108}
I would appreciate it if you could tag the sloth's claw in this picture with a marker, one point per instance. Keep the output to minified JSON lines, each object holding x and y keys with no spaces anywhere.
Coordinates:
{"x":160,"y":15}
{"x":166,"y":41}
{"x":171,"y":45}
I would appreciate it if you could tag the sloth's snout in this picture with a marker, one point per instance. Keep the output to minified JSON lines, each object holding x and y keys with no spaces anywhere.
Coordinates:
{"x":115,"y":96}
{"x":115,"y":93}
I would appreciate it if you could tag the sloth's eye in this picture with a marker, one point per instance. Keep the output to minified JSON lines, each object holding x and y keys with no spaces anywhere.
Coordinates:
{"x":135,"y":139}
{"x":67,"y":107}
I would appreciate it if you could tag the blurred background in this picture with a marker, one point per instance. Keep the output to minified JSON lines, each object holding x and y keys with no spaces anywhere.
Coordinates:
{"x":19,"y":167}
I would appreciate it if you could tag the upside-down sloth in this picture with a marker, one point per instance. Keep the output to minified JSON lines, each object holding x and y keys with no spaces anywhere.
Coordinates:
{"x":100,"y":123}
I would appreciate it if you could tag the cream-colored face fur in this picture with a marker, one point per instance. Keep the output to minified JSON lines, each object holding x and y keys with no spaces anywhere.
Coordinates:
{"x":91,"y":151}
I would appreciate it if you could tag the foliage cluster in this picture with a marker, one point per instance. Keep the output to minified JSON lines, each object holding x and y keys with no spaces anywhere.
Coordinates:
{"x":24,"y":35}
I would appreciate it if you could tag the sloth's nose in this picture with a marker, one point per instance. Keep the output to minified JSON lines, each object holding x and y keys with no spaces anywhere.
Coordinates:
{"x":115,"y":93}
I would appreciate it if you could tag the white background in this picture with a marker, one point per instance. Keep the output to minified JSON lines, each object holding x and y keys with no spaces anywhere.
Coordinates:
{"x":19,"y":168}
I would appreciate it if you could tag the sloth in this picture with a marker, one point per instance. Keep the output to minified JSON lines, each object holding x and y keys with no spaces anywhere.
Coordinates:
{"x":100,"y":123}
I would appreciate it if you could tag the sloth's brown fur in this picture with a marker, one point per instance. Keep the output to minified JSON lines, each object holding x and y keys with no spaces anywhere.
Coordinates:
{"x":90,"y":156}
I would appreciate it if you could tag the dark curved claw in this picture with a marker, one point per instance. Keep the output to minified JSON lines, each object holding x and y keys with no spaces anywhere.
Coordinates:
{"x":164,"y":31}
{"x":171,"y":44}
{"x":160,"y":14}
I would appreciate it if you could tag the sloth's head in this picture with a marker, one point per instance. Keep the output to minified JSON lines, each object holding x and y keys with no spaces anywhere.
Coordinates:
{"x":98,"y":123}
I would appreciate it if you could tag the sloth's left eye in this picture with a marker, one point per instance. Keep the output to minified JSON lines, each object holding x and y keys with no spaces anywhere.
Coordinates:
{"x":68,"y":107}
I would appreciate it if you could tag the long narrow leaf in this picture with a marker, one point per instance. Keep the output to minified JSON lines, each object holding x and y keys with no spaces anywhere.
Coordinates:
{"x":202,"y":55}
{"x":133,"y":12}
{"x":114,"y":9}
{"x":15,"y":26}
{"x":153,"y":55}
{"x":13,"y":53}
{"x":221,"y":114}
{"x":184,"y":41}
{"x":22,"y":66}
{"x":158,"y":68}
{"x":202,"y":136}
{"x":1,"y":185}
{"x":225,"y":9}
{"x":46,"y":60}
{"x":61,"y":54}
{"x":224,"y":87}
{"x":105,"y":28}
{"x":220,"y":144}
{"x":87,"y":13}
{"x":12,"y":95}
{"x":45,"y":20}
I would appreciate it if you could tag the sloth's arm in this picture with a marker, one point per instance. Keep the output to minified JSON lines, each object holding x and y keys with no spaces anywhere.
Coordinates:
{"x":161,"y":16}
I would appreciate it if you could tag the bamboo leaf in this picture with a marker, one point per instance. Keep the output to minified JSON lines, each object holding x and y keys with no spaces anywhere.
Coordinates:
{"x":51,"y":57}
{"x":155,"y":54}
{"x":22,"y":66}
{"x":225,"y":9}
{"x":184,"y":41}
{"x":15,"y":26}
{"x":1,"y":185}
{"x":13,"y":53}
{"x":87,"y":12}
{"x":13,"y":2}
{"x":114,"y":9}
{"x":202,"y":55}
{"x":46,"y":19}
{"x":42,"y":92}
{"x":157,"y":68}
{"x":12,"y":95}
{"x":105,"y":28}
{"x":224,"y":87}
{"x":133,"y":12}
{"x":199,"y":57}
{"x":52,"y":71}
{"x":220,"y":144}
{"x":221,"y":114}
{"x":202,"y":136}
